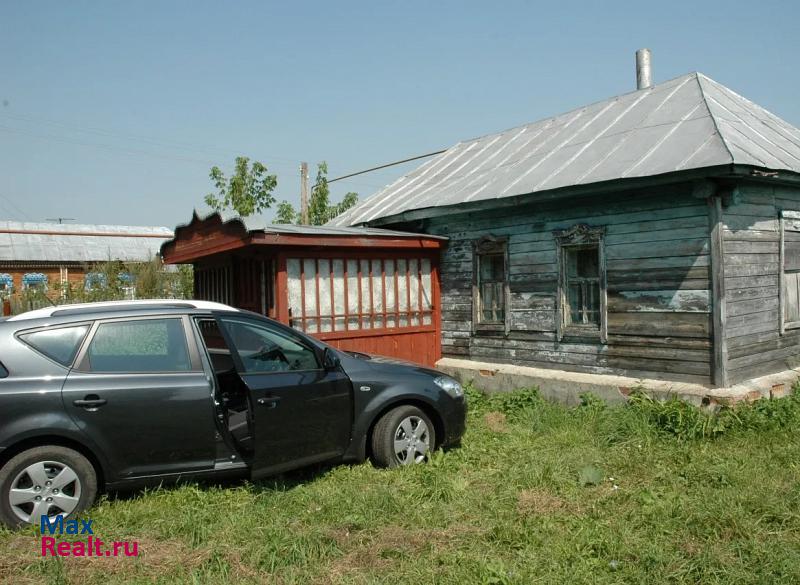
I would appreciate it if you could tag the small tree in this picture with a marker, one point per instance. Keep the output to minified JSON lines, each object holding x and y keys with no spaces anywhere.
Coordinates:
{"x":286,"y":213}
{"x":319,"y":203}
{"x":247,"y":191}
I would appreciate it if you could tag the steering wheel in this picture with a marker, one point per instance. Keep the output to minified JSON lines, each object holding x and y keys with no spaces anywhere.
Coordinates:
{"x":273,"y":353}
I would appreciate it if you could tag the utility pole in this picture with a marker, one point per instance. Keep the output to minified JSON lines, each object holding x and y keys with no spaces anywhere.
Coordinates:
{"x":304,"y":193}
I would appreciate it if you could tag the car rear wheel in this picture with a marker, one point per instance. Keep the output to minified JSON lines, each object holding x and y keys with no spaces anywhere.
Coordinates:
{"x":47,"y":481}
{"x":403,"y":436}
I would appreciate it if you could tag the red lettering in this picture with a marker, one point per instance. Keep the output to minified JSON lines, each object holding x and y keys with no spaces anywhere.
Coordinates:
{"x":97,"y":544}
{"x":134,"y":552}
{"x":63,"y":549}
{"x":117,"y":546}
{"x":48,"y":544}
{"x":78,"y":549}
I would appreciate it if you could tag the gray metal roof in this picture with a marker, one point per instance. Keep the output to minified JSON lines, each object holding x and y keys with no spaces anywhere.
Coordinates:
{"x":53,"y":242}
{"x":258,"y":224}
{"x":690,"y":122}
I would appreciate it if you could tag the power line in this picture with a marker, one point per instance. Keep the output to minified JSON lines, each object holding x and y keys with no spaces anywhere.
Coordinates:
{"x":102,"y":146}
{"x":391,"y":164}
{"x":200,"y":148}
{"x":17,"y":208}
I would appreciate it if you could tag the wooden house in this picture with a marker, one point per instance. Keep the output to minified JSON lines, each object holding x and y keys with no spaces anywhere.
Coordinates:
{"x":653,"y":235}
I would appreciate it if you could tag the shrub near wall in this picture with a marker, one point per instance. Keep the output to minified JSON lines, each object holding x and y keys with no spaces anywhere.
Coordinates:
{"x":148,"y":280}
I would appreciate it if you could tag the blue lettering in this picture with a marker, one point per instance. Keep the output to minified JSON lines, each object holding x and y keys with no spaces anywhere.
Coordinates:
{"x":56,"y":526}
{"x":86,"y":527}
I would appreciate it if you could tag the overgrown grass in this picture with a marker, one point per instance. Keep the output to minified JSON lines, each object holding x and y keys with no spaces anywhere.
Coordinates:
{"x":539,"y":493}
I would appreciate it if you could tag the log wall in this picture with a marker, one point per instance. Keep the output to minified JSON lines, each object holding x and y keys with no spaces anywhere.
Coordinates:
{"x":752,"y":272}
{"x":657,"y":260}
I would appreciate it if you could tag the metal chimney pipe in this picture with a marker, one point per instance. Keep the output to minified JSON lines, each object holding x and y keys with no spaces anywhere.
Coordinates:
{"x":644,"y":72}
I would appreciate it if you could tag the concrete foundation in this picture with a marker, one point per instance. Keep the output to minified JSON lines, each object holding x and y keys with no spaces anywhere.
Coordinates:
{"x":566,"y":387}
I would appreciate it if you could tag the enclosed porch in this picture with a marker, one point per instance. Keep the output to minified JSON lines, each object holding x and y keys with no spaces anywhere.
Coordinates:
{"x":360,"y":289}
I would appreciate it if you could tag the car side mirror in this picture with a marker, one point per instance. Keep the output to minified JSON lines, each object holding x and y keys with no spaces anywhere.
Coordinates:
{"x":330,"y":360}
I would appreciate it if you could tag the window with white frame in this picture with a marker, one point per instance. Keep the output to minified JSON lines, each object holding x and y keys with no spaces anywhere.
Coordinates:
{"x":327,"y":295}
{"x":94,"y":281}
{"x":6,"y":284}
{"x":34,"y":281}
{"x":581,"y":296}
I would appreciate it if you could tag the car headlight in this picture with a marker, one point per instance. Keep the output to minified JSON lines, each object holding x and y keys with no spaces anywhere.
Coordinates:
{"x":452,"y":387}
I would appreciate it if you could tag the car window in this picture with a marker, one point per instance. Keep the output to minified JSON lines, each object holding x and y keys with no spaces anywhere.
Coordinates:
{"x":59,"y":344}
{"x":146,"y":345}
{"x":217,"y":347}
{"x":263,"y":348}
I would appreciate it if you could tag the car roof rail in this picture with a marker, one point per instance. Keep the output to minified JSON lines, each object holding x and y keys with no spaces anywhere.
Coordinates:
{"x":118,"y":306}
{"x":120,"y":309}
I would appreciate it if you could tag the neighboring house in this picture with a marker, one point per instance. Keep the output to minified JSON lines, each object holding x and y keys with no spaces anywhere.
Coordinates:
{"x":46,"y":256}
{"x":654,"y":235}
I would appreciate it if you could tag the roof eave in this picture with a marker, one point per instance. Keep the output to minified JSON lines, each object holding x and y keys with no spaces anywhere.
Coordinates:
{"x":727,"y":171}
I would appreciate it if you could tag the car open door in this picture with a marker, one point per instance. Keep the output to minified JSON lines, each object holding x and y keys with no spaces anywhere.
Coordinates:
{"x":301,"y":411}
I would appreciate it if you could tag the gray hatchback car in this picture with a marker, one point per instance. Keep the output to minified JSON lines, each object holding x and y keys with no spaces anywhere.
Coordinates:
{"x":124,"y":394}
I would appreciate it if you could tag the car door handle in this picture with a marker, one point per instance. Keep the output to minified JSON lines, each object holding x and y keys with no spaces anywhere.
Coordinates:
{"x":270,"y":402}
{"x":90,"y":402}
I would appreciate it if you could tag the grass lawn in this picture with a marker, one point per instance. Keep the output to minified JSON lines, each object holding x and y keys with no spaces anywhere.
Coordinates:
{"x":529,"y":498}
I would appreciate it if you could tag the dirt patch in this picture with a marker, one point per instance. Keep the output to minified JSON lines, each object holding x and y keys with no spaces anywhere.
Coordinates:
{"x":372,"y":552}
{"x":536,"y":502}
{"x":496,"y":421}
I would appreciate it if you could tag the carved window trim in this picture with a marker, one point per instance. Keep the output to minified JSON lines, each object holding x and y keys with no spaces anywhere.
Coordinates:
{"x":577,"y":236}
{"x":486,"y":246}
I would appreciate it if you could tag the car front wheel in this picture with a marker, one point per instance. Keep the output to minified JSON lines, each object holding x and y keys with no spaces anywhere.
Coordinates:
{"x":47,"y":481}
{"x":403,"y":436}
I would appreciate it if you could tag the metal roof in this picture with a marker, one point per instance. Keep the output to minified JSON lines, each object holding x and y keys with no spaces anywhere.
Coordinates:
{"x":54,"y":242}
{"x":690,"y":122}
{"x":258,"y":224}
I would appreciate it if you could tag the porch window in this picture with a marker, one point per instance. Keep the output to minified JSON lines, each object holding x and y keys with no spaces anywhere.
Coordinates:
{"x":581,"y":293}
{"x":329,"y":295}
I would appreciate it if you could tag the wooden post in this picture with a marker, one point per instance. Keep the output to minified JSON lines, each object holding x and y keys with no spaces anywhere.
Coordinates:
{"x":720,"y":369}
{"x":281,"y":293}
{"x":304,"y":193}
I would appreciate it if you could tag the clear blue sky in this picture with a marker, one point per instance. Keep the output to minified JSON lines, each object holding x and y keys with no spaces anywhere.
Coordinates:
{"x":113,"y":112}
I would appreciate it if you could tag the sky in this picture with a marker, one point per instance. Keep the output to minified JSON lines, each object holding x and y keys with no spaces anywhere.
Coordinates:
{"x":114,"y":112}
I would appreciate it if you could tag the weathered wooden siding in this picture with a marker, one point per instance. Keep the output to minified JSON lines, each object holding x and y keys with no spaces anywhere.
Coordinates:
{"x":752,"y":277}
{"x":657,"y":250}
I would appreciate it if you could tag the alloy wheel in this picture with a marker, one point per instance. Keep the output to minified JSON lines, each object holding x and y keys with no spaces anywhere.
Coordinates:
{"x":412,"y":441}
{"x":44,"y":488}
